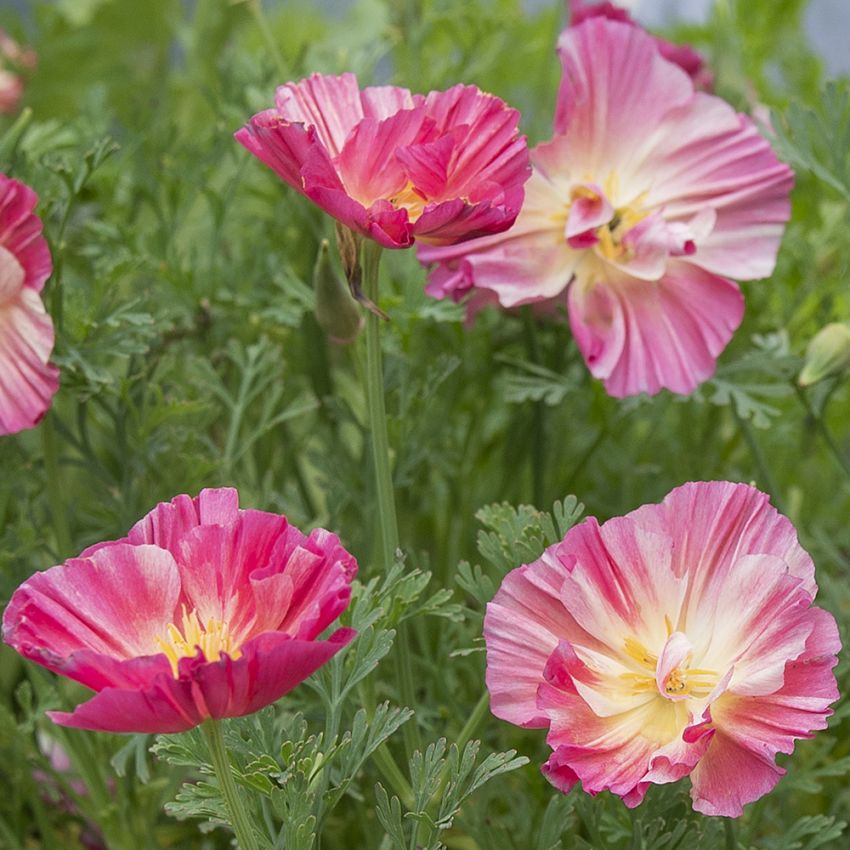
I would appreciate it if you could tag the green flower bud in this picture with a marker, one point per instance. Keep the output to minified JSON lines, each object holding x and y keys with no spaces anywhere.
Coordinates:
{"x":337,"y":313}
{"x":828,"y":354}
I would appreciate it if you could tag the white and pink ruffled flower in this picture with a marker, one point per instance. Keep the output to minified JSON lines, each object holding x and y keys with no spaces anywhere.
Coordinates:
{"x":395,"y":166}
{"x":678,"y":640}
{"x":27,"y":380}
{"x":648,"y":199}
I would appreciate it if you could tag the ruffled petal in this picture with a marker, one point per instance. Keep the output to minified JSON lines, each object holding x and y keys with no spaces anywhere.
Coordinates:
{"x":616,"y":88}
{"x":523,"y":625}
{"x":116,"y":602}
{"x":329,"y":104}
{"x":270,"y":666}
{"x":28,"y":381}
{"x":20,"y":232}
{"x":642,"y":336}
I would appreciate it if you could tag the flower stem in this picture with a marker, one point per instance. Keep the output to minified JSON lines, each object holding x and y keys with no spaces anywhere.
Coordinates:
{"x":256,"y":7}
{"x":55,"y":487}
{"x":387,"y":521}
{"x":828,"y":437}
{"x":236,"y":812}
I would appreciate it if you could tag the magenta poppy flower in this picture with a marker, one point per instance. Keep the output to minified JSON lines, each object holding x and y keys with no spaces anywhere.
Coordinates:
{"x":683,"y":55}
{"x":678,"y":640}
{"x":202,"y":611}
{"x":392,"y":165}
{"x":650,"y":198}
{"x":27,"y":380}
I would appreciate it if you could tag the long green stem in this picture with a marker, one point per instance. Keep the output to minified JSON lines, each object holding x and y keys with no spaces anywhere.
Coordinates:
{"x":387,"y":521}
{"x":239,"y":819}
{"x":823,"y":428}
{"x":55,"y":487}
{"x":765,"y":475}
{"x":256,"y":7}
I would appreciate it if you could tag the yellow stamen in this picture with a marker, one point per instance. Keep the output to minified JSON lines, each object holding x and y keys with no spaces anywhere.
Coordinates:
{"x":410,"y":199}
{"x":635,"y":649}
{"x":212,"y":638}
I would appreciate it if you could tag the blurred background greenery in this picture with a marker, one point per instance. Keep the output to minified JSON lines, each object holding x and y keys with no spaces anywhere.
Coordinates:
{"x":191,"y":357}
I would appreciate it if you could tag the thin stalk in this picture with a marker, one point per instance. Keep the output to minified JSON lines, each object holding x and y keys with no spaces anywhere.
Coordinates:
{"x":766,"y":476}
{"x":236,"y":812}
{"x":470,"y":728}
{"x":823,"y":429}
{"x":55,"y":486}
{"x":731,"y":834}
{"x":387,"y":520}
{"x":256,"y":7}
{"x":537,"y":457}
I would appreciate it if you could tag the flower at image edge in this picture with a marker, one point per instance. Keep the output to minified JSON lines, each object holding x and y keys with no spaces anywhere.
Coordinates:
{"x":641,"y":212}
{"x":395,"y":166}
{"x":28,"y":381}
{"x":678,"y":640}
{"x":202,"y":611}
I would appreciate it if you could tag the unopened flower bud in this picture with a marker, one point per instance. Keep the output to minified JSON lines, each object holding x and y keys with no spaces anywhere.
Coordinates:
{"x":337,"y":313}
{"x":828,"y":354}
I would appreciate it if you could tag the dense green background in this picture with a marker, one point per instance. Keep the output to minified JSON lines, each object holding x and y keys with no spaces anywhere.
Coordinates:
{"x":190,"y":357}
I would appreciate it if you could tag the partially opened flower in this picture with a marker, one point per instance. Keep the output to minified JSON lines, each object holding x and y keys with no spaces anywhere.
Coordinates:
{"x":202,"y":611}
{"x":392,"y":165}
{"x":27,"y":380}
{"x":649,"y":198}
{"x":678,"y":640}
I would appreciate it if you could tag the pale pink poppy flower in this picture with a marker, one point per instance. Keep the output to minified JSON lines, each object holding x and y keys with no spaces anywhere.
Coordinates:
{"x":27,"y":380}
{"x":395,"y":166}
{"x":202,"y":611}
{"x":649,"y":198}
{"x":678,"y":640}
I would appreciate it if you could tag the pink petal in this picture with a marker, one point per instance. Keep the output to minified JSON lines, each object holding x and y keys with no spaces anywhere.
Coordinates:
{"x":715,"y":523}
{"x":271,"y":665}
{"x":528,"y":263}
{"x":641,"y":336}
{"x":368,"y":163}
{"x":616,"y":88}
{"x":116,"y":602}
{"x":330,"y":104}
{"x":523,"y":625}
{"x":27,"y":380}
{"x":20,"y":232}
{"x":707,"y":155}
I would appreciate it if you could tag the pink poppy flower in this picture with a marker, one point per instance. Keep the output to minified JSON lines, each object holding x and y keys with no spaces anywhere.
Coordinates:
{"x":392,"y":165}
{"x":649,"y":198}
{"x":202,"y":611}
{"x":683,"y":55}
{"x":678,"y":640}
{"x":27,"y":381}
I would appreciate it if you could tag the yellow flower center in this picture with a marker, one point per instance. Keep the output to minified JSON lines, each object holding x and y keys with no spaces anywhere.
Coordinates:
{"x":212,"y":638}
{"x":682,"y":681}
{"x":411,"y":200}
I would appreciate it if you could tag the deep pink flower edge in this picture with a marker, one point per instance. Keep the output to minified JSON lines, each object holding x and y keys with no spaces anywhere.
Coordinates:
{"x":260,"y":587}
{"x":394,"y":166}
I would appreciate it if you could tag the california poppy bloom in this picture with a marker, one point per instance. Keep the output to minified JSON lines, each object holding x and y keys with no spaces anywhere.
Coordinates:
{"x":678,"y":640}
{"x":202,"y":611}
{"x":648,"y":201}
{"x":395,"y":166}
{"x":27,"y":380}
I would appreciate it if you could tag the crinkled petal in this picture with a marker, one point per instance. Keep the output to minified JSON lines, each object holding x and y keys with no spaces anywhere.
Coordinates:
{"x":115,"y":602}
{"x":28,"y":381}
{"x":20,"y":232}
{"x":616,"y":88}
{"x":270,"y":666}
{"x":642,"y":336}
